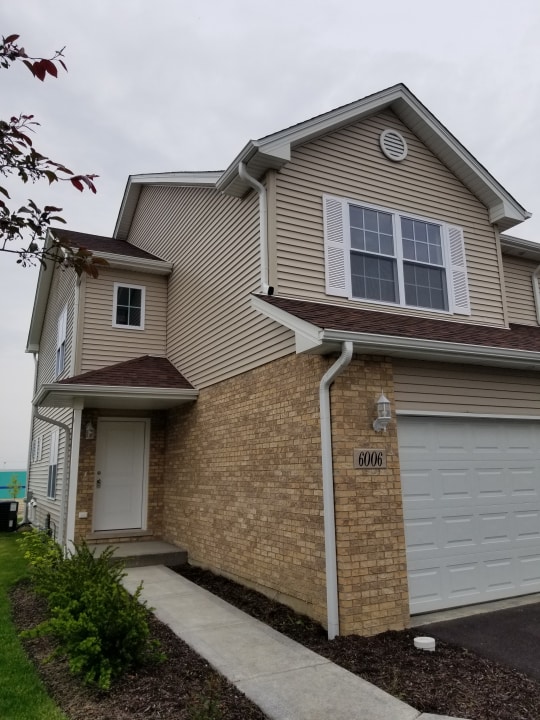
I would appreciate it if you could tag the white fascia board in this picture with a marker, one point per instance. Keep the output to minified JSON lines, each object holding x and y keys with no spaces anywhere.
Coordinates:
{"x":127,"y":262}
{"x":435,"y":349}
{"x":111,"y":392}
{"x":136,"y":182}
{"x":519,"y":247}
{"x":308,"y":336}
{"x":41,"y":297}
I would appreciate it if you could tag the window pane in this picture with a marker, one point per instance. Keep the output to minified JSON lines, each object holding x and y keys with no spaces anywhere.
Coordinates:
{"x":357,"y":239}
{"x":372,"y":242}
{"x":422,"y":252}
{"x":135,"y":297}
{"x":356,"y":216}
{"x":387,"y":244}
{"x":407,"y":228}
{"x":123,"y":296}
{"x":385,"y":223}
{"x":370,"y":220}
{"x":135,"y":316}
{"x":409,"y":250}
{"x":122,"y":315}
{"x":420,"y":231}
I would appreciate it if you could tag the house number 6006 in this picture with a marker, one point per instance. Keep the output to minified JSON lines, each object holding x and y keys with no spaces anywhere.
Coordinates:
{"x":365,"y":458}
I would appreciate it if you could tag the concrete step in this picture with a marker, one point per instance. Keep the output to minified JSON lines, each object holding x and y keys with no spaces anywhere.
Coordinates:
{"x":141,"y":554}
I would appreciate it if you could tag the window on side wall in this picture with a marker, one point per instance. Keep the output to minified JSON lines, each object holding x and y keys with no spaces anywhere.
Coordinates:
{"x":53,"y":465}
{"x":128,"y":307}
{"x":394,"y":258}
{"x":37,"y":445}
{"x":61,"y":342}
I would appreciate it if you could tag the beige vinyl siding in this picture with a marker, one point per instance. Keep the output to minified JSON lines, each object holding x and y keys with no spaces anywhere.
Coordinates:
{"x":62,"y":294}
{"x":349,"y":163}
{"x":439,"y":387}
{"x":39,"y":471}
{"x":519,"y":289}
{"x":213,"y":241}
{"x":101,"y":343}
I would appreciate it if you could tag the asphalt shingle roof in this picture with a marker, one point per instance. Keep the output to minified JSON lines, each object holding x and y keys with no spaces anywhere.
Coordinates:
{"x":146,"y":371}
{"x":333,"y":317}
{"x":101,"y":243}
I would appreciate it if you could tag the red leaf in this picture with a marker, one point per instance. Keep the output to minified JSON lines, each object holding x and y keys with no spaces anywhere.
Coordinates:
{"x":10,"y":39}
{"x":50,"y":67}
{"x":51,"y":177}
{"x":63,"y":64}
{"x":4,"y":192}
{"x":29,"y":66}
{"x":39,"y":69}
{"x":77,"y":183}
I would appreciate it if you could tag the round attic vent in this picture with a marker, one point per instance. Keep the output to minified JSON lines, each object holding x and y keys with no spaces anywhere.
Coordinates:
{"x":393,"y":145}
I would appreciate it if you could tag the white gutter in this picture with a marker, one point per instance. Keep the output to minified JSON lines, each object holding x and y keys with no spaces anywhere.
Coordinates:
{"x":115,"y":392}
{"x":332,"y":602}
{"x":536,"y":291}
{"x":65,"y":473}
{"x":263,"y":225}
{"x":435,"y":349}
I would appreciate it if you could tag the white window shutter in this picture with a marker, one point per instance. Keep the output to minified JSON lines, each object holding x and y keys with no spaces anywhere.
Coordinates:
{"x":335,"y":250}
{"x":458,"y":271}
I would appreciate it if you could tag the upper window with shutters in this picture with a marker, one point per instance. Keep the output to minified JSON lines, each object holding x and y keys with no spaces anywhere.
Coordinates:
{"x":385,"y":256}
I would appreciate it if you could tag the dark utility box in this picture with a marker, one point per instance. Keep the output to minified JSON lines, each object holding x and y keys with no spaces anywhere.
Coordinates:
{"x":8,"y":515}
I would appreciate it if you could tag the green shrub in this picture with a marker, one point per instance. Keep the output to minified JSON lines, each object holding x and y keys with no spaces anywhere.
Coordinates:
{"x":98,"y":625}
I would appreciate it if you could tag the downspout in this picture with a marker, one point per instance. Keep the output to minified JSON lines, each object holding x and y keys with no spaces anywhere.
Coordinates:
{"x":65,"y":473}
{"x":332,"y":604}
{"x":536,"y":291}
{"x":263,"y":226}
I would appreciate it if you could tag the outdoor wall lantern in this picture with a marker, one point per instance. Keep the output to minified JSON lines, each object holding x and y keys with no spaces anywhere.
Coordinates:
{"x":384,"y":414}
{"x":90,"y":432}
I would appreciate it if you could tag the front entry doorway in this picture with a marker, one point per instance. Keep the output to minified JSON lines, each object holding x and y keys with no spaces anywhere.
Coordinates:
{"x":121,"y":474}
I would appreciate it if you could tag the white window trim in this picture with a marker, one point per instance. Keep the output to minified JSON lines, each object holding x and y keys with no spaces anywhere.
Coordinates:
{"x":337,"y":241}
{"x":142,"y":288}
{"x":53,"y":463}
{"x":37,"y":448}
{"x":60,"y":362}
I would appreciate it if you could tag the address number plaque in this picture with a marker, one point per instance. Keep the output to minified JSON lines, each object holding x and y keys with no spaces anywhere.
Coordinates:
{"x":369,"y":458}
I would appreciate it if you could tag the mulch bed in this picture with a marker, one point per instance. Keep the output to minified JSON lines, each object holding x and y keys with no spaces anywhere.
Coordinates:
{"x":177,"y":689}
{"x":450,"y":681}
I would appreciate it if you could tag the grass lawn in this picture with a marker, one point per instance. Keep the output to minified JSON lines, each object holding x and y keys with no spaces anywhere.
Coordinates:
{"x":22,"y":696}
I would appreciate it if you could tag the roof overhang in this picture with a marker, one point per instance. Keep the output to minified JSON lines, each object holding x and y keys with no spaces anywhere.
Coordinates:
{"x":45,"y":278}
{"x":273,"y":151}
{"x":113,"y":397}
{"x":126,"y":262}
{"x":520,"y":248}
{"x":313,"y":339}
{"x":136,"y":183}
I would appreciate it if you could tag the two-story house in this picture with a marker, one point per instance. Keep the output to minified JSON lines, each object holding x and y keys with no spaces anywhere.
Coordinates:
{"x":219,"y":385}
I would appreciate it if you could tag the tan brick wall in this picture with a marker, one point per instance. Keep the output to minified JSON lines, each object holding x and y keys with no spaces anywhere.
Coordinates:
{"x":243,"y":490}
{"x":85,"y":486}
{"x":372,"y":571}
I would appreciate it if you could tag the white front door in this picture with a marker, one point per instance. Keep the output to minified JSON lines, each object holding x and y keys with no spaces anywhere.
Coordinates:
{"x":471,"y":497}
{"x":120,"y":474}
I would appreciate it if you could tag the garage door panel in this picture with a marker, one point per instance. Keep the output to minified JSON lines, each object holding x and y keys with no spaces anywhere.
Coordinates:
{"x":471,"y":497}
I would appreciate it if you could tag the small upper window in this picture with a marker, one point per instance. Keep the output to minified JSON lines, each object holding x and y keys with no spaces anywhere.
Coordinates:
{"x":53,"y":465}
{"x":128,"y":311}
{"x":61,"y":342}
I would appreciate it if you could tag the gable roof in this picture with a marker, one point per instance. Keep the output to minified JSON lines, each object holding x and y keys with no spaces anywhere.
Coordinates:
{"x":321,"y":327}
{"x":274,"y":151}
{"x":101,"y":244}
{"x":148,"y":382}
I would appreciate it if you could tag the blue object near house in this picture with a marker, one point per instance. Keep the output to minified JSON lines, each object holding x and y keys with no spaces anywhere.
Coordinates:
{"x":6,"y":483}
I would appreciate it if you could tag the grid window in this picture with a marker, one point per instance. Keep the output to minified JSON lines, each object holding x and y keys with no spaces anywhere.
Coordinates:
{"x":396,"y":259}
{"x":128,"y":306}
{"x":53,"y":465}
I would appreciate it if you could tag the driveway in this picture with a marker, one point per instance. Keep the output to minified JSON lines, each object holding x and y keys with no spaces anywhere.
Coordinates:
{"x":510,"y":637}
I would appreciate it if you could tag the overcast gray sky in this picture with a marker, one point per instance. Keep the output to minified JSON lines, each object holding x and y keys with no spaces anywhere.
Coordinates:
{"x":175,"y":85}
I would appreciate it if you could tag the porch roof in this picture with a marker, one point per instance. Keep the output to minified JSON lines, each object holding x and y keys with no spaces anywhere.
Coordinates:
{"x":146,"y":382}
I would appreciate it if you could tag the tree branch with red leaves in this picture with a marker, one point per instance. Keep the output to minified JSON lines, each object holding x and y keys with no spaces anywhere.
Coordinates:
{"x":29,"y":224}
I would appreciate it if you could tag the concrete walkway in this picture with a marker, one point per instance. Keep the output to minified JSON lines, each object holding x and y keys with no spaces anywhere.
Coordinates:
{"x":286,"y":680}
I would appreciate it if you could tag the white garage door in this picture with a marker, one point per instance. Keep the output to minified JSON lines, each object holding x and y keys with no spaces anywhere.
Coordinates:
{"x":471,"y":496}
